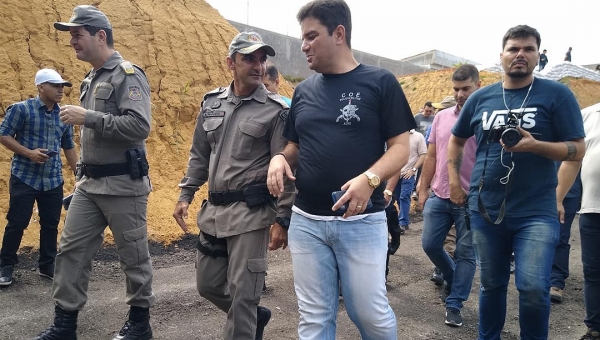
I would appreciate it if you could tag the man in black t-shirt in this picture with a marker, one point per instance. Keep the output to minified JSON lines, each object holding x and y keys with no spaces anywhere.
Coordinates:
{"x":338,"y":124}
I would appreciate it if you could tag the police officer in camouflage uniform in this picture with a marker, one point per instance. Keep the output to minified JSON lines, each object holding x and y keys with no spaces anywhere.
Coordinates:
{"x":113,"y":184}
{"x":237,"y":132}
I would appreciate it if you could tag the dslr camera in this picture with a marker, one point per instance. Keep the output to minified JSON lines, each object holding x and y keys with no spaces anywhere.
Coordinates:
{"x":507,"y":133}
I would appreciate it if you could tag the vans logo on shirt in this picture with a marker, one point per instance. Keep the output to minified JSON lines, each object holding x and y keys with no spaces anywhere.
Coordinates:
{"x":499,"y":117}
{"x":349,"y":111}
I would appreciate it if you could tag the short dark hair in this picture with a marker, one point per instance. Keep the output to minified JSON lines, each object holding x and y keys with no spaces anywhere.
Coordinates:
{"x":427,"y":104}
{"x":522,"y":31}
{"x":331,"y":13}
{"x":272,"y":72}
{"x":466,"y":72}
{"x":109,"y":35}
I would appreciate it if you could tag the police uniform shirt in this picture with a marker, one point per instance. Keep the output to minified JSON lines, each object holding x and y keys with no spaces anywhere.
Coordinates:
{"x":117,"y":99}
{"x":232,"y":146}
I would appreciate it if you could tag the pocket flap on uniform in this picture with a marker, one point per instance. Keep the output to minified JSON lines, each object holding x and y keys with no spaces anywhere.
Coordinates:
{"x":135,"y":234}
{"x":253,"y":129}
{"x":212,"y":124}
{"x":103,"y":91}
{"x":257,"y":265}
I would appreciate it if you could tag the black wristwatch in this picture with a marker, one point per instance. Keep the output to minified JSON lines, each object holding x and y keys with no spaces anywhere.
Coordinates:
{"x":284,"y":222}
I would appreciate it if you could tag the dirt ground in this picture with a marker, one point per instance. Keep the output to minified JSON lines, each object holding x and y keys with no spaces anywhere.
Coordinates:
{"x":181,"y":314}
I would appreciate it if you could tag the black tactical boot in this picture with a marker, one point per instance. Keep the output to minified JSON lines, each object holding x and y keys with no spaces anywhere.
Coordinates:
{"x":263,"y":315}
{"x":137,"y":327}
{"x":64,"y":327}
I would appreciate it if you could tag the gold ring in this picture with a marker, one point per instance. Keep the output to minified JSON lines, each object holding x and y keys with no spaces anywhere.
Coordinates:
{"x":359,"y":206}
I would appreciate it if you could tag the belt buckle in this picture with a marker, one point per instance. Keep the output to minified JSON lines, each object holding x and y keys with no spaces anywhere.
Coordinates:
{"x":84,"y":170}
{"x":216,"y":198}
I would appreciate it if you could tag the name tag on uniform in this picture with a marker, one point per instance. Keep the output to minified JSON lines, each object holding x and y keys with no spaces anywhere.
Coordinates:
{"x":208,"y":113}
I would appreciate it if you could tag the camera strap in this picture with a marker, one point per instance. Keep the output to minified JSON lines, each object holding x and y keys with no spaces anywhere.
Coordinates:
{"x":480,"y":204}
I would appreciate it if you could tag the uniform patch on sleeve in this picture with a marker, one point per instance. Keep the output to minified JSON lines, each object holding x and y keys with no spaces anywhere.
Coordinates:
{"x":283,"y":114}
{"x":135,"y":93}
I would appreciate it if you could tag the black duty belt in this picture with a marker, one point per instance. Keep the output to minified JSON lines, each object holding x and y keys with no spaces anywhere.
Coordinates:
{"x":99,"y":171}
{"x":225,"y":197}
{"x":254,"y":195}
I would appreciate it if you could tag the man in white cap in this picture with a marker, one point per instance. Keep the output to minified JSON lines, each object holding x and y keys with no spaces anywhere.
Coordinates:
{"x":113,"y":184}
{"x":239,"y":129}
{"x":36,"y":170}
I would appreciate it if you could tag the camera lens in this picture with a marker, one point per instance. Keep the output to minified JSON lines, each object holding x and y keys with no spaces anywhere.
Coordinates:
{"x":511,"y":137}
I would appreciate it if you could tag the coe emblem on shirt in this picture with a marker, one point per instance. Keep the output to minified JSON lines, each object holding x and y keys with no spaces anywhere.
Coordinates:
{"x":135,"y":93}
{"x":215,"y":105}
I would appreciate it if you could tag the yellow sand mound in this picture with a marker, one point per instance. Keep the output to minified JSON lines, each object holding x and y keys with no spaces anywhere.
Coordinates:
{"x":180,"y":44}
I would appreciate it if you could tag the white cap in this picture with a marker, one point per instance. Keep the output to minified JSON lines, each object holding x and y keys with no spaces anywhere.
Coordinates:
{"x":48,"y":75}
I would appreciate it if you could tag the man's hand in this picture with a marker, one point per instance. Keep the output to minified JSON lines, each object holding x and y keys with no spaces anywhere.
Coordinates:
{"x":526,"y":144}
{"x":458,"y":195}
{"x":72,"y":114}
{"x":38,"y":155}
{"x":277,"y":168}
{"x":408,"y":174}
{"x":388,"y":198}
{"x":423,"y":196}
{"x":561,"y":212}
{"x":278,"y":237}
{"x":181,"y":214}
{"x":358,"y":193}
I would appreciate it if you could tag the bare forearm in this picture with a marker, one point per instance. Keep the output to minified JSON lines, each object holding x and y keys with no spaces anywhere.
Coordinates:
{"x":420,"y":161}
{"x":291,"y":152}
{"x":567,"y":173}
{"x":454,"y":159}
{"x":11,"y":144}
{"x":561,"y":151}
{"x":427,"y":172}
{"x":71,"y":155}
{"x":392,"y":182}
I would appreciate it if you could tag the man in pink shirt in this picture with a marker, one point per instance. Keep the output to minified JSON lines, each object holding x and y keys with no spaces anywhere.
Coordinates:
{"x":439,"y":213}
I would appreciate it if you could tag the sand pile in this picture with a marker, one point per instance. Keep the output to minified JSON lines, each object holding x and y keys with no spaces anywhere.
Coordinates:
{"x":434,"y":86}
{"x":181,"y":44}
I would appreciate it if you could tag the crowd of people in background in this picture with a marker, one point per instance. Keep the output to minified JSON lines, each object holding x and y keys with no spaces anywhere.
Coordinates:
{"x":498,"y":172}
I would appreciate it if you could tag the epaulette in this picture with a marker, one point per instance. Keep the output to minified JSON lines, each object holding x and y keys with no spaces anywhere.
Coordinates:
{"x":215,"y":91}
{"x":212,"y":93}
{"x":277,"y":98}
{"x":127,"y":67}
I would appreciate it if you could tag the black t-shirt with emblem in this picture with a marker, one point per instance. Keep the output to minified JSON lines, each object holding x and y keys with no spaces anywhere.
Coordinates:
{"x":341,"y":123}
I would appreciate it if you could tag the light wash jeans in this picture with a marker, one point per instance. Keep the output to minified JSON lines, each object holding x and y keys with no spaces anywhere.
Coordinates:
{"x":353,"y":253}
{"x":533,"y":240}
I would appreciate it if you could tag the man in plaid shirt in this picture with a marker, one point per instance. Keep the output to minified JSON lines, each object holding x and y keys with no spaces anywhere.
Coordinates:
{"x":33,"y":131}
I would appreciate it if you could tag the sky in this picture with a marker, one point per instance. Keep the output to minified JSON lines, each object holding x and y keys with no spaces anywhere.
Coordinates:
{"x":470,"y":29}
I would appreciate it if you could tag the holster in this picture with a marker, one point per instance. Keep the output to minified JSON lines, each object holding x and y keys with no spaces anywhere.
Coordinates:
{"x":137,"y":163}
{"x":208,"y":249}
{"x":257,"y":195}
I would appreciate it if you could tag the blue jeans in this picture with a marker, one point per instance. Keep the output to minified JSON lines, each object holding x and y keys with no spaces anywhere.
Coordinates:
{"x":533,"y":240}
{"x":403,"y":190}
{"x":353,"y":253}
{"x":560,"y":266}
{"x":438,"y":216}
{"x":589,"y":226}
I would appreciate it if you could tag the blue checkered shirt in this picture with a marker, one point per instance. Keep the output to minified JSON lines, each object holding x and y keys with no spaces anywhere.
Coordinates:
{"x":34,"y":127}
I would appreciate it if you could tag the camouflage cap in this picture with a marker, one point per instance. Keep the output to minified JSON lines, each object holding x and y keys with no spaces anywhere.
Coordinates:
{"x":85,"y":15}
{"x":248,"y":42}
{"x":447,"y":102}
